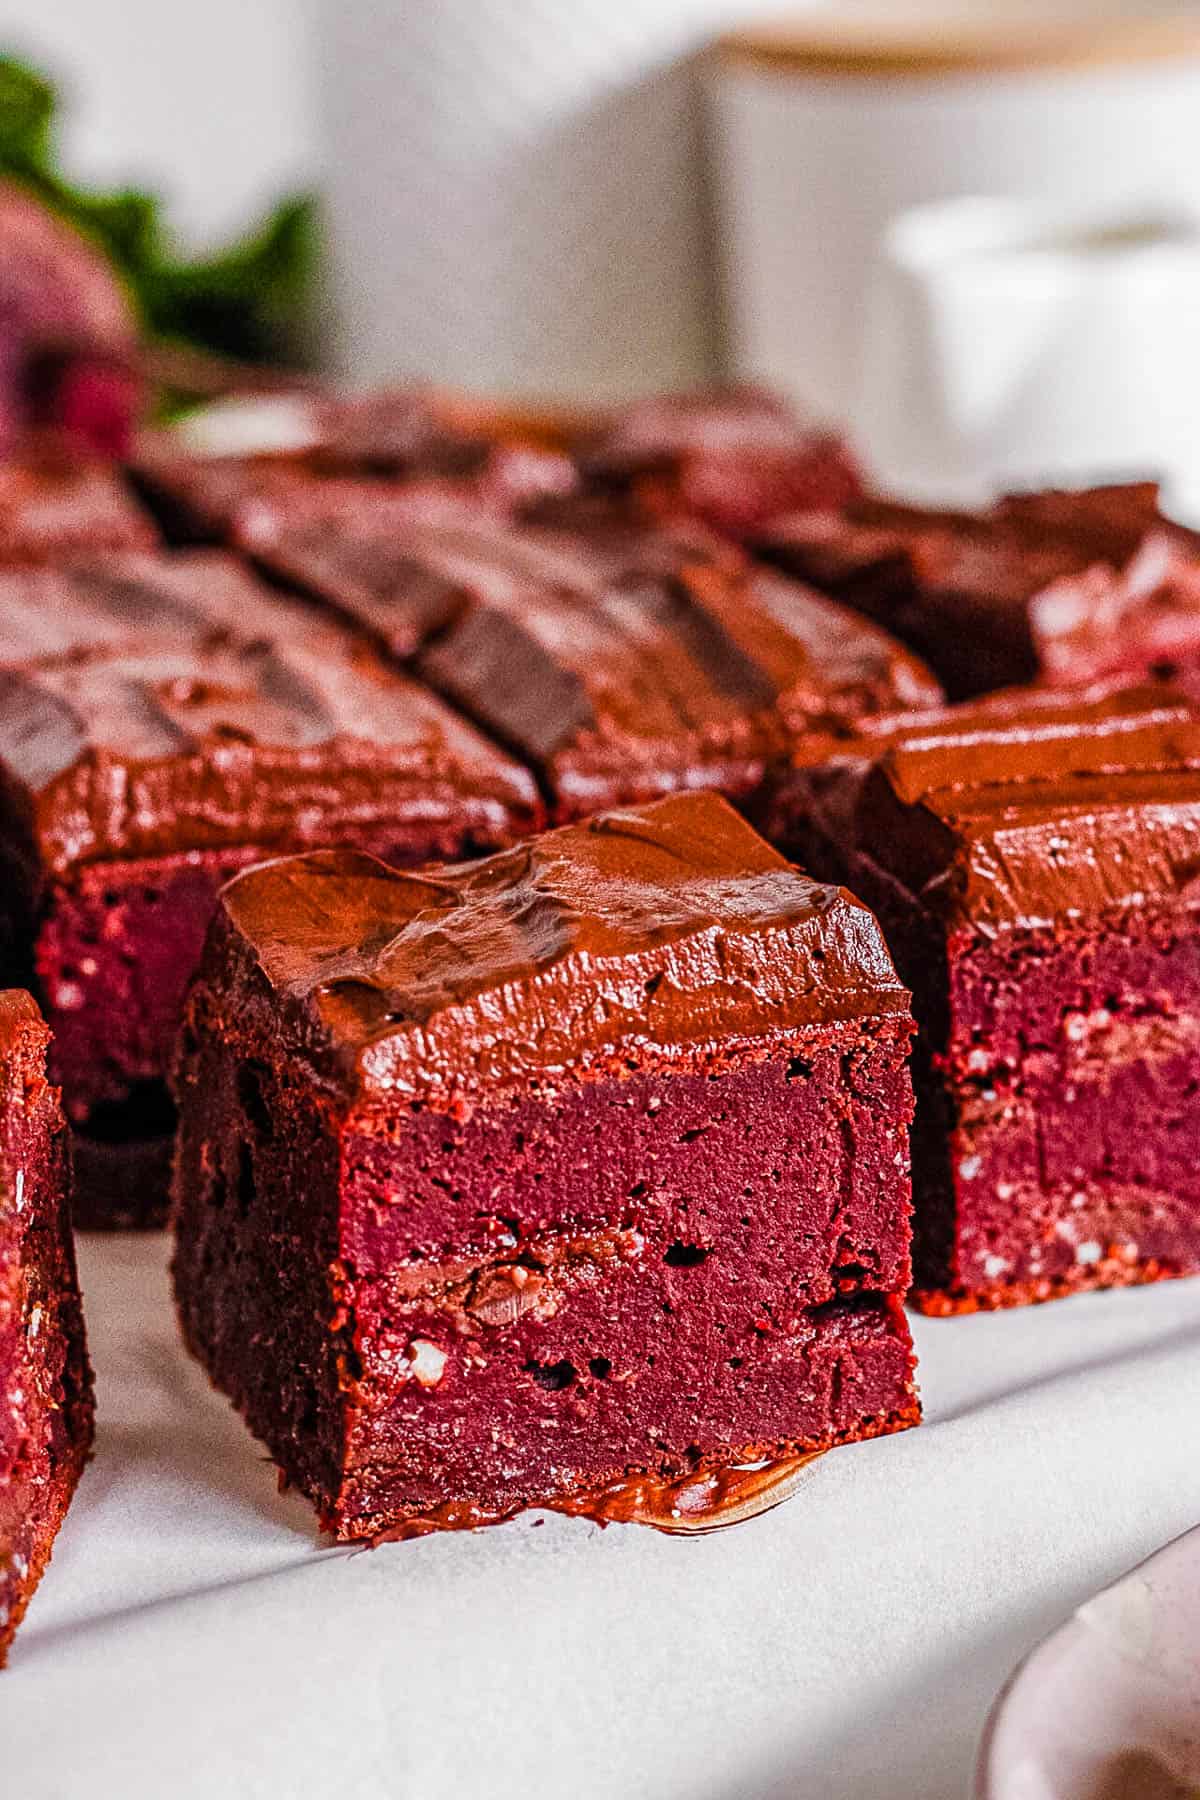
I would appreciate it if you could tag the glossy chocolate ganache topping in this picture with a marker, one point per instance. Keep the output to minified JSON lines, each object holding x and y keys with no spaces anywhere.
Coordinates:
{"x":668,"y":930}
{"x":1023,"y":812}
{"x":619,"y":661}
{"x":151,"y":704}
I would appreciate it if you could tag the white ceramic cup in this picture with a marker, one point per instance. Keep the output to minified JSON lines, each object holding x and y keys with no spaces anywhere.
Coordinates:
{"x":824,"y":134}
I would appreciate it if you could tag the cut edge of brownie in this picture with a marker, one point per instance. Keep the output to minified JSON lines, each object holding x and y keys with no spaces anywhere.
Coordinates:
{"x":289,"y":1233}
{"x":43,"y":1349}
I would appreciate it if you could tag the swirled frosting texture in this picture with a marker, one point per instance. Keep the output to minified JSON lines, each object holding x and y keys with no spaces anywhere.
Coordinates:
{"x":150,"y":704}
{"x":648,"y":930}
{"x":1023,"y":813}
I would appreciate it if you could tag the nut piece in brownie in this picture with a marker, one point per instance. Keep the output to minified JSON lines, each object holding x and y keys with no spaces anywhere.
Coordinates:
{"x":507,"y":1184}
{"x":1033,"y":862}
{"x":964,"y":588}
{"x":165,"y":720}
{"x":620,"y":662}
{"x":733,"y":457}
{"x":54,"y":505}
{"x":45,"y":1380}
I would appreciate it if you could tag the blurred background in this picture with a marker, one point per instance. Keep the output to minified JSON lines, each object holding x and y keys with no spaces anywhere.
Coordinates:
{"x":589,"y":200}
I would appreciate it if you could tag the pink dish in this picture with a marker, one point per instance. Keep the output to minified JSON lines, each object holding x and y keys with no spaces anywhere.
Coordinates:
{"x":1108,"y":1707}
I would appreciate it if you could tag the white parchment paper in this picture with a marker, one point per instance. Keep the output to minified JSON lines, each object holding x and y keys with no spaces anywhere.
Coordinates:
{"x":194,"y":1637}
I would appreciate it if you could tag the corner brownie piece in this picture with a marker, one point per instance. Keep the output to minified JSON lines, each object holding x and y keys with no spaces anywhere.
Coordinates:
{"x":1033,"y":862}
{"x":1143,"y":617}
{"x":962,"y":588}
{"x":619,"y":662}
{"x":53,"y":505}
{"x":164,"y":721}
{"x":45,"y":1381}
{"x":733,"y":457}
{"x":505,"y":1184}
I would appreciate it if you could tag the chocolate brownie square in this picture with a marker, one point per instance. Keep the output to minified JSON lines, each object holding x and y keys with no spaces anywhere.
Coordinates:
{"x":375,"y":445}
{"x":1033,"y":861}
{"x":732,"y":457}
{"x":164,"y":721}
{"x":620,"y":662}
{"x":550,"y":1180}
{"x":53,"y":505}
{"x":45,"y":1381}
{"x":962,"y":588}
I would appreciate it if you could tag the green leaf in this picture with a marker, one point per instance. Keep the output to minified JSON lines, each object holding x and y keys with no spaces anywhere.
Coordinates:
{"x":248,"y":300}
{"x":27,"y":106}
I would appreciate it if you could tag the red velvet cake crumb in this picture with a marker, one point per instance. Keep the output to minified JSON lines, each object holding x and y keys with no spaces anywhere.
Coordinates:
{"x":45,"y":1380}
{"x":511,"y":1183}
{"x":1033,"y":860}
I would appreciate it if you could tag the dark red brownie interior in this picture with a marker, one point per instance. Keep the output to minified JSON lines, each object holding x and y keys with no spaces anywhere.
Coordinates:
{"x":1033,"y":861}
{"x":198,"y":723}
{"x":45,"y":1381}
{"x":502,"y":1184}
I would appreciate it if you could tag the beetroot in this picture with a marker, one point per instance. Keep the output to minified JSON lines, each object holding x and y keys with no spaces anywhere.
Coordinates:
{"x":68,"y":332}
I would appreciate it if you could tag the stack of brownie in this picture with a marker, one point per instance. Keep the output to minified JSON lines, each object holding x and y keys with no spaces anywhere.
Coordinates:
{"x":574,"y":1170}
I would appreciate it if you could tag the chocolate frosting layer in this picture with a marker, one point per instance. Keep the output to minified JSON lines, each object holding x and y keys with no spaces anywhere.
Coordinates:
{"x":24,"y":1036}
{"x":642,"y":932}
{"x":140,"y":600}
{"x":1036,"y":809}
{"x":52,"y":504}
{"x":681,"y":1506}
{"x":665,"y":429}
{"x":157,"y":704}
{"x":621,"y":662}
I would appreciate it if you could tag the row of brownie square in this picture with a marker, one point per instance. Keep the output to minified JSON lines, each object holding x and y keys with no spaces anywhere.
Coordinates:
{"x":1062,"y":586}
{"x":654,"y":1225}
{"x":168,"y":719}
{"x":372,"y":1063}
{"x":732,"y":457}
